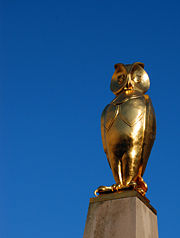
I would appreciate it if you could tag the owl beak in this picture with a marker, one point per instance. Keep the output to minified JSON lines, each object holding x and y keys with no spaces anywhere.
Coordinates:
{"x":130,"y":84}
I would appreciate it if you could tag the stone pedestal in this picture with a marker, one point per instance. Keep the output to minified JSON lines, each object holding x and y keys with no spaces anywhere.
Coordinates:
{"x":121,"y":215}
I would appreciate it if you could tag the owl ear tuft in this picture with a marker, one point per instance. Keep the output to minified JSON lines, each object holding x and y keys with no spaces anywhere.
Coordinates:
{"x":119,"y":66}
{"x":141,"y":64}
{"x":137,"y":64}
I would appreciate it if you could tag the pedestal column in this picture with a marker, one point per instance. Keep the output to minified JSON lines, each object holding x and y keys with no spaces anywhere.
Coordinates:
{"x":121,"y":215}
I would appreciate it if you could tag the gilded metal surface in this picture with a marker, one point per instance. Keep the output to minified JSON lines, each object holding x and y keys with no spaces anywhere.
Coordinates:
{"x":128,"y":128}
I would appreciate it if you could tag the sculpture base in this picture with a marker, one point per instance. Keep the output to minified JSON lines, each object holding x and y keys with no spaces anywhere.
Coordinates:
{"x":124,"y":214}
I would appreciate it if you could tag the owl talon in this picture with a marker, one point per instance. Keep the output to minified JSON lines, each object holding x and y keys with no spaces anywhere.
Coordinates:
{"x":132,"y":184}
{"x":118,"y":187}
{"x":102,"y":190}
{"x":114,"y":187}
{"x":141,"y":191}
{"x":141,"y":185}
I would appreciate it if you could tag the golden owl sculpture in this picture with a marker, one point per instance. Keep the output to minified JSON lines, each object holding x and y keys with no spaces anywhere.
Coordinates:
{"x":128,"y":128}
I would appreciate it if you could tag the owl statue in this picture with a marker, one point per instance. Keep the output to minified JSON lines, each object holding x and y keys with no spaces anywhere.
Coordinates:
{"x":128,"y":128}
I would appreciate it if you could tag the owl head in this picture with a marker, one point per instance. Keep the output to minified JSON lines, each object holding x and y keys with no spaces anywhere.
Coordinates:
{"x":129,"y":77}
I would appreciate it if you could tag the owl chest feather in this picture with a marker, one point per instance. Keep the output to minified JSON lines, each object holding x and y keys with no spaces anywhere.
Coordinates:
{"x":129,"y":111}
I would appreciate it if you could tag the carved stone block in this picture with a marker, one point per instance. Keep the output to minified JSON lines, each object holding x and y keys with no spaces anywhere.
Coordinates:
{"x":121,"y":215}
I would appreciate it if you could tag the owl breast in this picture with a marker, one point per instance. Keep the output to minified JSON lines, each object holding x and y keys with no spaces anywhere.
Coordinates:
{"x":132,"y":110}
{"x":129,"y":111}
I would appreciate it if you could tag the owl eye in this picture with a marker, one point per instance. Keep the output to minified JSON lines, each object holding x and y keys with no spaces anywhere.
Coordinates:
{"x":120,"y":78}
{"x":137,"y":79}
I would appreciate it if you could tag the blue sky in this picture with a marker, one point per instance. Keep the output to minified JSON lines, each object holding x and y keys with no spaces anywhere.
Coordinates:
{"x":57,"y":59}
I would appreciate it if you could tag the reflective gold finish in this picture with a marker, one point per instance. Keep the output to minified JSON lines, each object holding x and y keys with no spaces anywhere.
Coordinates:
{"x":128,"y":128}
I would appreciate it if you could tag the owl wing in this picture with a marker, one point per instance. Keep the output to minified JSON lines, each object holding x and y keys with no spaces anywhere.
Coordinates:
{"x":103,"y":131}
{"x":150,"y":132}
{"x":107,"y":119}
